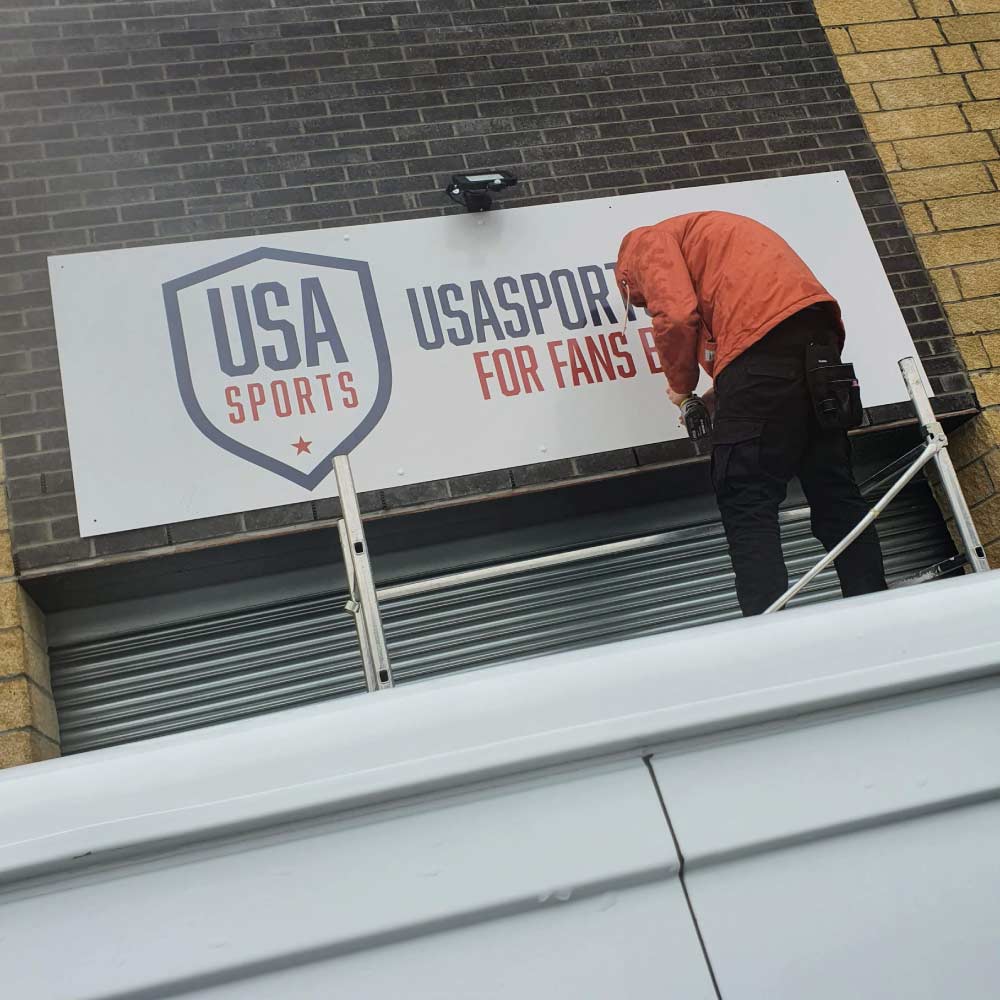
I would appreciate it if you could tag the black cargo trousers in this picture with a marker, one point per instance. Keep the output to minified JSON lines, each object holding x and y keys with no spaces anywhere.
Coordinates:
{"x":765,"y":433}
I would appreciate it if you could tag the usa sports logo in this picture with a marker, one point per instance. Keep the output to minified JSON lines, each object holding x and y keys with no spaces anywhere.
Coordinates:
{"x":281,"y":357}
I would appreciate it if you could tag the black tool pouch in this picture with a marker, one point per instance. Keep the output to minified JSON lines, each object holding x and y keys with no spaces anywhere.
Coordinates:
{"x":834,"y":389}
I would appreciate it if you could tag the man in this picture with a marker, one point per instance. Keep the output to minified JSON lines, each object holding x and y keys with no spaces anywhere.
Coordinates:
{"x":727,"y":293}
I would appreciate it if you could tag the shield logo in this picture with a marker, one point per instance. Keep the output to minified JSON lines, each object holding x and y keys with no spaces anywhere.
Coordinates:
{"x":281,"y":357}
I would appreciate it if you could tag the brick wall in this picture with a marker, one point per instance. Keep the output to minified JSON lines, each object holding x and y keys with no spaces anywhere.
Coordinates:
{"x":926,"y":75}
{"x":29,"y":729}
{"x":145,"y":121}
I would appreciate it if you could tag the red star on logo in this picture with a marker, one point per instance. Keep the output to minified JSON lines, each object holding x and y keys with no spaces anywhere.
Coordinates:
{"x":301,"y":446}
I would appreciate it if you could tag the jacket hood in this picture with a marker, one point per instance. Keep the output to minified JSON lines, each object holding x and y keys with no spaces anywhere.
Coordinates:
{"x":625,"y":269}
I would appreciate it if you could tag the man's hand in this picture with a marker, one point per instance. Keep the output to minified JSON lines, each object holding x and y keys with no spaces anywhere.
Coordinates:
{"x":677,"y":398}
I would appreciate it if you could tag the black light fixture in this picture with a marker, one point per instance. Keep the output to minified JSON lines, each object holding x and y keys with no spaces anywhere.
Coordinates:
{"x":475,"y":191}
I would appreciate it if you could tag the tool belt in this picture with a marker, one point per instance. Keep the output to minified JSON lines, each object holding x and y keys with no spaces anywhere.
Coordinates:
{"x":833,"y":386}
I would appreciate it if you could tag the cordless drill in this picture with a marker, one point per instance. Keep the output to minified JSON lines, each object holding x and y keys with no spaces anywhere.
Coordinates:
{"x":697,"y":420}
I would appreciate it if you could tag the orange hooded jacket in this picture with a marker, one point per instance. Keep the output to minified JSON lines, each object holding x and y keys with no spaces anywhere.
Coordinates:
{"x":713,"y":276}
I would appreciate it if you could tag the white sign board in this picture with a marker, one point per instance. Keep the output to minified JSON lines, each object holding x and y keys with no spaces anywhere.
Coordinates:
{"x":221,"y":376}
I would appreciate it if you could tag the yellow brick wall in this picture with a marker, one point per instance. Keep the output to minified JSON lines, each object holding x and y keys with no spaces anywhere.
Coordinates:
{"x":925,"y":75}
{"x":29,"y":730}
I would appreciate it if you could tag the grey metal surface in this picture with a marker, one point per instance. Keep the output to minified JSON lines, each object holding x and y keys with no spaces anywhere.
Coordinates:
{"x":168,"y":678}
{"x":362,"y":601}
{"x":844,"y":822}
{"x":610,"y":823}
{"x":933,"y":430}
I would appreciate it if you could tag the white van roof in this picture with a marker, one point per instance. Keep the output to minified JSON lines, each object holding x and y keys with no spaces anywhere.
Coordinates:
{"x":476,"y":726}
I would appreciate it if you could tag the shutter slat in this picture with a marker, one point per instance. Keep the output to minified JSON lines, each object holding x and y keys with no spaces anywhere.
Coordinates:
{"x":216,"y":668}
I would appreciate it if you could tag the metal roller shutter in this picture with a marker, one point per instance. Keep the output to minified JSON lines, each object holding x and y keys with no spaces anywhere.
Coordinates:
{"x":158,"y":680}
